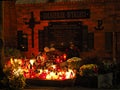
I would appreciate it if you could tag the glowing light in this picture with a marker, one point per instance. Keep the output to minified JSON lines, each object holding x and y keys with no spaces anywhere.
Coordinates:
{"x":11,"y":61}
{"x":53,"y":72}
{"x":32,"y":61}
{"x":18,"y":71}
{"x":64,"y":56}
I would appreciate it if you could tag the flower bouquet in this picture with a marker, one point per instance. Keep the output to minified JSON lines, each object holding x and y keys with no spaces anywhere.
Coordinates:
{"x":88,"y":70}
{"x":74,"y":62}
{"x":14,"y":78}
{"x":87,"y":76}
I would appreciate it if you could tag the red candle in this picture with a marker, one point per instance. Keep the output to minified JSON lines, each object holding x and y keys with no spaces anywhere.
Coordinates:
{"x":64,"y":56}
{"x":26,"y":74}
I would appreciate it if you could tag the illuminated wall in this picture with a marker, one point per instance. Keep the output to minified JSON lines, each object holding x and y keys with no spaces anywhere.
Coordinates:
{"x":101,"y":17}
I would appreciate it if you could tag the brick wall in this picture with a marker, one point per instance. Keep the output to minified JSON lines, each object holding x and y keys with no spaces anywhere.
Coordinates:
{"x":9,"y":24}
{"x":102,"y":10}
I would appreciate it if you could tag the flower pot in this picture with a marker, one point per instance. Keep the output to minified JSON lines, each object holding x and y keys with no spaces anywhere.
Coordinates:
{"x":87,"y":81}
{"x":99,"y":81}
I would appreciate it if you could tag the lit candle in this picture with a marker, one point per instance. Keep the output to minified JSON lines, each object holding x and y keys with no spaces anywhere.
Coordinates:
{"x":64,"y":56}
{"x":32,"y":61}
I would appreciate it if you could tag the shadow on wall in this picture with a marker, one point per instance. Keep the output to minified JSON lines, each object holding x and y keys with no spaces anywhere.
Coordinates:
{"x":1,"y":46}
{"x":1,"y":70}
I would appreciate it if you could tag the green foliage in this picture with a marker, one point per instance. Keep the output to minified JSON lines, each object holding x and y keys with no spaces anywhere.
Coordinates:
{"x":12,"y":52}
{"x":16,"y":82}
{"x":14,"y":78}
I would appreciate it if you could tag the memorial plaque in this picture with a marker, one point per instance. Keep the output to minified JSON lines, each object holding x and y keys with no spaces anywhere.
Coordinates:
{"x":65,"y":14}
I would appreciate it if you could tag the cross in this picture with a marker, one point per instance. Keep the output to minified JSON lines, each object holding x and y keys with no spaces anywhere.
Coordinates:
{"x":32,"y":24}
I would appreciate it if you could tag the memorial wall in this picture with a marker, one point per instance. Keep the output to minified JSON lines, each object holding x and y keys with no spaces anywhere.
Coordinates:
{"x":43,"y":23}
